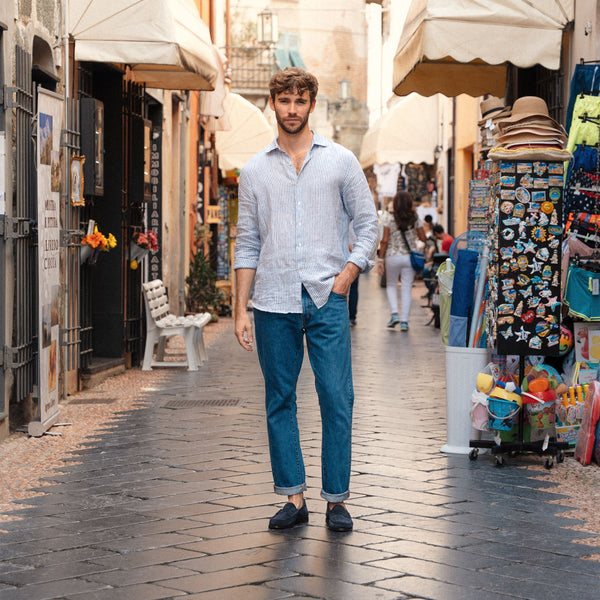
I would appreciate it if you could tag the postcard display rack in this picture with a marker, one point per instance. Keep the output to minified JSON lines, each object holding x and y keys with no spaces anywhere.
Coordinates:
{"x":523,"y":310}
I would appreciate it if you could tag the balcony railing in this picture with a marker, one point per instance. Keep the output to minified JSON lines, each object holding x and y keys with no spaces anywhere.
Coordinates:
{"x":251,"y":67}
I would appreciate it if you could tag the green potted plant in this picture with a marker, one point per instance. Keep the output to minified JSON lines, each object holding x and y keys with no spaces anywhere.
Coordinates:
{"x":202,"y":292}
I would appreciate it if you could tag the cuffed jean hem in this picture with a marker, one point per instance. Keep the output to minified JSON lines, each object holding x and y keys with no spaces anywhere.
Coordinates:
{"x":335,"y":497}
{"x":290,"y":491}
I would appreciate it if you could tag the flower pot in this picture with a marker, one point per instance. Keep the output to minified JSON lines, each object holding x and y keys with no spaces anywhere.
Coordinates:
{"x":84,"y":253}
{"x":93,"y":259}
{"x":135,"y":252}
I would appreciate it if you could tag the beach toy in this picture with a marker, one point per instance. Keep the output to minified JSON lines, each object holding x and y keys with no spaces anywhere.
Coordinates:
{"x":538,"y":385}
{"x":541,"y":371}
{"x":503,"y":394}
{"x":486,"y":383}
{"x":565,"y":344}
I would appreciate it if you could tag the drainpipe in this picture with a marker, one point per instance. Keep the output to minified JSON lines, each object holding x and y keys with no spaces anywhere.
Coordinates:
{"x":66,"y":174}
{"x":451,"y":207}
{"x":183,"y":225}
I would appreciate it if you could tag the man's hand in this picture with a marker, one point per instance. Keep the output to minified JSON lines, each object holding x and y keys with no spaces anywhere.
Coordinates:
{"x":243,"y":330}
{"x":243,"y":326}
{"x":342,"y":281}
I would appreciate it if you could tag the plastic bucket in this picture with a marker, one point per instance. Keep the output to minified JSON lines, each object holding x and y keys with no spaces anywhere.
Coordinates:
{"x":502,"y":414}
{"x":462,"y":368}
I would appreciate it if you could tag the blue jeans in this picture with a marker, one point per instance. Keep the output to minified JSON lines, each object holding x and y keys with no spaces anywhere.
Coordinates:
{"x":353,"y":299}
{"x":280,"y":347}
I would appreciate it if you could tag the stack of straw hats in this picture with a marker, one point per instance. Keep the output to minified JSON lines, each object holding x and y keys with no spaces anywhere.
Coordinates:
{"x":530,"y":132}
{"x":492,"y":110}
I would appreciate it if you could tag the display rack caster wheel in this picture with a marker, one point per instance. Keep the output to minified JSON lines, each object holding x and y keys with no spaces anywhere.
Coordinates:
{"x":549,"y":462}
{"x":499,"y":461}
{"x":474,"y":454}
{"x":560,"y":457}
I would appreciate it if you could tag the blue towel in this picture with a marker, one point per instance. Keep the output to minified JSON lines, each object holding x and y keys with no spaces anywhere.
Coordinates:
{"x":463,"y":291}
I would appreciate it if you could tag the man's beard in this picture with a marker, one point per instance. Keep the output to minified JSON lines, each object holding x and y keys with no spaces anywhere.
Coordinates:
{"x":296,"y":129}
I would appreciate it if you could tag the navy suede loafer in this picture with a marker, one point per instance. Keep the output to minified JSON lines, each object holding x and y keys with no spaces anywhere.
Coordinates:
{"x":289,"y":516}
{"x":338,"y":518}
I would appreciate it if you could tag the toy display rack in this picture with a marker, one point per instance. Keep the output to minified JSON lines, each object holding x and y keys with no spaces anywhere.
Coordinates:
{"x":550,"y":448}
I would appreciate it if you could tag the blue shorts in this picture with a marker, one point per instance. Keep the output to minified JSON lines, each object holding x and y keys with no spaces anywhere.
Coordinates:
{"x":578,"y":294}
{"x":586,"y":79}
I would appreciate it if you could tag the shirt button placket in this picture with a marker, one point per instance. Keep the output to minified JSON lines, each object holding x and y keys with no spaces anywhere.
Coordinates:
{"x":299,"y":219}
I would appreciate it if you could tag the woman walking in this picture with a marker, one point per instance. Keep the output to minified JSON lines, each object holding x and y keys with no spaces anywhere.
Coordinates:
{"x":403,"y":220}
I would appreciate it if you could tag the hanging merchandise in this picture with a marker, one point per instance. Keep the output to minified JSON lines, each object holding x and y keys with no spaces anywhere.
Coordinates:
{"x":387,"y":178}
{"x":585,"y":80}
{"x":581,"y":293}
{"x":583,"y":129}
{"x":586,"y":435}
{"x":525,"y":291}
{"x":481,"y":204}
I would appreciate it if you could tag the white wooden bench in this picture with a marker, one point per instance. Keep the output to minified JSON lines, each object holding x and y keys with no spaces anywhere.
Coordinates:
{"x":161,"y":324}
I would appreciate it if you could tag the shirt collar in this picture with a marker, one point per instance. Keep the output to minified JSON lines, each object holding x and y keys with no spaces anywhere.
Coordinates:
{"x":316,"y":141}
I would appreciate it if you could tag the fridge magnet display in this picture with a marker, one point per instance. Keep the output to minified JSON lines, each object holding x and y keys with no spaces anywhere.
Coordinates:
{"x":524,"y":307}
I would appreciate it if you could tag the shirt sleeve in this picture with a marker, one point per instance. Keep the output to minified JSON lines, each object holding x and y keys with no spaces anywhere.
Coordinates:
{"x":247,"y":247}
{"x":361,"y":209}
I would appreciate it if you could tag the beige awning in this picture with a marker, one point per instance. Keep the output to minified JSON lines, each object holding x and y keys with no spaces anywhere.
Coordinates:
{"x":164,"y":42}
{"x":455,"y":47}
{"x":407,"y":133}
{"x":248,"y":133}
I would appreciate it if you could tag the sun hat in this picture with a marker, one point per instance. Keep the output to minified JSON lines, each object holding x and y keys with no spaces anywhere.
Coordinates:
{"x":540,"y":153}
{"x":537,"y":124}
{"x":491,"y":108}
{"x":526,"y":108}
{"x":533,"y":135}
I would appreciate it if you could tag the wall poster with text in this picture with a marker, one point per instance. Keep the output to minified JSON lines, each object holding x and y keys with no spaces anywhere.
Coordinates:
{"x":50,"y":111}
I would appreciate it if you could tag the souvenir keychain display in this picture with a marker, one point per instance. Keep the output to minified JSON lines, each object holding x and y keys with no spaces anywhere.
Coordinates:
{"x":524,"y":307}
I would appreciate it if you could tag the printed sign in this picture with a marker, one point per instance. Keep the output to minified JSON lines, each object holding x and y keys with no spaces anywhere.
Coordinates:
{"x":50,"y":110}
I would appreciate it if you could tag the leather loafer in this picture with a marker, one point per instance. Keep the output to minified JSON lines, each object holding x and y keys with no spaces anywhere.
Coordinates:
{"x":289,"y":516}
{"x":338,"y":518}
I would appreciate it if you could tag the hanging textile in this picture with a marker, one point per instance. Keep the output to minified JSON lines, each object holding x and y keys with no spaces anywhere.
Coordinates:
{"x":585,"y":80}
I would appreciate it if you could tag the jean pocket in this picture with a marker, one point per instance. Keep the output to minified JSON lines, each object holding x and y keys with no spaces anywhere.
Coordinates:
{"x":337,"y":295}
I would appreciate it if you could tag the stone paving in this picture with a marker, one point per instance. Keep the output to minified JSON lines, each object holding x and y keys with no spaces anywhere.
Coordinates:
{"x":173,"y":499}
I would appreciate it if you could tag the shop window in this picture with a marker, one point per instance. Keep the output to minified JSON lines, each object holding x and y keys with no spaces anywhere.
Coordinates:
{"x":92,"y":145}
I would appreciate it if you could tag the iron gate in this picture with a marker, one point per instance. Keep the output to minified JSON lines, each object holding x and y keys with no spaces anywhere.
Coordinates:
{"x":133,"y":210}
{"x":21,"y":357}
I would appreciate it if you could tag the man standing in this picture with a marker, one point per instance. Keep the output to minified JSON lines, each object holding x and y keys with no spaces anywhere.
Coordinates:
{"x":296,"y":200}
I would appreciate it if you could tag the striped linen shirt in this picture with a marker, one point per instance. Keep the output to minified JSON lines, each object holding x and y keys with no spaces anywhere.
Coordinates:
{"x":293,"y":228}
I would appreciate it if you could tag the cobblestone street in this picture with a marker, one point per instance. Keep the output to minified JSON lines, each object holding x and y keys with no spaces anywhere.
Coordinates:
{"x":172,"y":498}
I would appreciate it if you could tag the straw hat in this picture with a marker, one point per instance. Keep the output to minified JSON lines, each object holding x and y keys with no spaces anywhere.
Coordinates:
{"x":534,"y":123}
{"x":533,"y":134}
{"x":527,"y":107}
{"x":492,"y":108}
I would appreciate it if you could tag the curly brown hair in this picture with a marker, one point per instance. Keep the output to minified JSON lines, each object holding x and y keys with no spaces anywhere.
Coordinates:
{"x":404,"y":213}
{"x":294,"y":79}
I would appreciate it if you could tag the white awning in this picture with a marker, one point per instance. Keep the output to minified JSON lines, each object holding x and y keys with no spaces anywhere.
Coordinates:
{"x":164,"y":42}
{"x":407,"y":133}
{"x":248,"y":133}
{"x":455,"y":47}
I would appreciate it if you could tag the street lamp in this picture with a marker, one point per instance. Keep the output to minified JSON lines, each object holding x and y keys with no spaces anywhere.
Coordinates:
{"x":437,"y":152}
{"x":268,"y":33}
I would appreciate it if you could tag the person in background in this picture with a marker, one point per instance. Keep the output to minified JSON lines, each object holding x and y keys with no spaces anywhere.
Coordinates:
{"x":431,"y":247}
{"x":394,"y":250}
{"x":445,"y":238}
{"x":353,"y":292}
{"x":296,"y":200}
